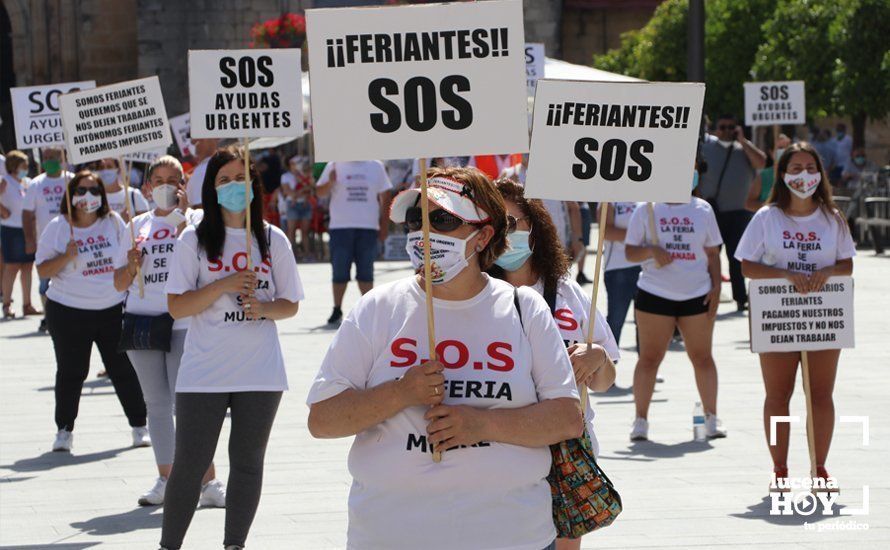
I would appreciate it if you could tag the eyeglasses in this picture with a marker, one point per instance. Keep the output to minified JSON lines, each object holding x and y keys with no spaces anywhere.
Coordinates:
{"x":726,"y":127}
{"x":513,"y":223}
{"x":440,"y":220}
{"x":81,"y":191}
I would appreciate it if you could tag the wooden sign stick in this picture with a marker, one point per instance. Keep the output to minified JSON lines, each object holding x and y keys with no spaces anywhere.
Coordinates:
{"x":811,"y":433}
{"x":603,"y":218}
{"x":247,"y":185}
{"x":67,"y":195}
{"x":126,"y":179}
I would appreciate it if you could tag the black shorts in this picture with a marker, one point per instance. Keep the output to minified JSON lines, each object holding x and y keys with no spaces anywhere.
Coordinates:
{"x":650,"y":303}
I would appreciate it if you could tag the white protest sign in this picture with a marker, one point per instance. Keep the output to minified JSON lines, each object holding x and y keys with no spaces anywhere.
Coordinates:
{"x":35,"y":110}
{"x":181,"y":126}
{"x":783,"y":320}
{"x":768,"y":103}
{"x":534,"y":65}
{"x":145,"y":157}
{"x":418,"y":81}
{"x":245,"y":93}
{"x":112,"y":121}
{"x":614,"y":141}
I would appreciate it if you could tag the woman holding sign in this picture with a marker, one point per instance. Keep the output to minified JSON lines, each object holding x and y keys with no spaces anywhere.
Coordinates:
{"x":500,"y":393}
{"x":679,"y":287}
{"x":157,"y":363}
{"x":109,"y":171}
{"x":799,"y":235}
{"x":82,"y":306}
{"x":232,"y":359}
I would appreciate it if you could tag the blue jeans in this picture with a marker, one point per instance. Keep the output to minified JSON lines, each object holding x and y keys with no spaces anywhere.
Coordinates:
{"x":350,"y":246}
{"x":621,"y":285}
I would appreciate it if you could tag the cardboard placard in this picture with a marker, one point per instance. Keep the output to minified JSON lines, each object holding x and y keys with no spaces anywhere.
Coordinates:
{"x":418,"y":81}
{"x":783,"y":320}
{"x":245,"y":93}
{"x":35,"y":110}
{"x":145,"y":157}
{"x":768,"y":103}
{"x":112,"y":121}
{"x":181,"y":126}
{"x":614,"y":141}
{"x":534,"y":65}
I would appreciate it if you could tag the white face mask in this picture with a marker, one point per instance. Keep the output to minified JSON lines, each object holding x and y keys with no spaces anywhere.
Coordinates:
{"x":446,"y":254}
{"x":804,"y":184}
{"x":108,"y":176}
{"x":88,"y":203}
{"x":165,"y":196}
{"x":725,"y":143}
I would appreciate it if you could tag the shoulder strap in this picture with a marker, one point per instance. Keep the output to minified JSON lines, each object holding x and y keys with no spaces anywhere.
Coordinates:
{"x":516,"y":305}
{"x":723,"y":171}
{"x":550,"y":298}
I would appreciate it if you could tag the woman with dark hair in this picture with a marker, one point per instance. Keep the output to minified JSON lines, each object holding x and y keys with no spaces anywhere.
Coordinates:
{"x":499,"y":394}
{"x":799,"y":235}
{"x":82,"y":306}
{"x":232,"y":359}
{"x":536,"y":258}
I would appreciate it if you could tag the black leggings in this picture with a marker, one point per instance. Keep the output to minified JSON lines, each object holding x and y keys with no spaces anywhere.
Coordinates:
{"x":199,"y":419}
{"x":73,"y":332}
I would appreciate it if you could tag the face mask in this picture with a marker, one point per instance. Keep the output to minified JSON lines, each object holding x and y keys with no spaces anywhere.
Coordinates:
{"x":108,"y":176}
{"x":88,"y":203}
{"x":22,"y":174}
{"x":232,"y":196}
{"x":859,"y":161}
{"x":51,"y":166}
{"x":694,"y":179}
{"x":517,"y":253}
{"x":804,"y":184}
{"x":726,"y":144}
{"x":165,"y":196}
{"x":446,"y":255}
{"x":779,"y":154}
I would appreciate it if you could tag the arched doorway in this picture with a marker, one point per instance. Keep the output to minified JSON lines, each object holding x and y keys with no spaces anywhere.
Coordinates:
{"x":7,"y":81}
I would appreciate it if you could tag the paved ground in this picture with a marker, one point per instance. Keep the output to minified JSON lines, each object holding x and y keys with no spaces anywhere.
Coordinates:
{"x":677,"y":493}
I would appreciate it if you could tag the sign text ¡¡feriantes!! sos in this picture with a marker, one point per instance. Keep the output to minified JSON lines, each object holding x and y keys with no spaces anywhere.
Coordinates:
{"x":418,"y":81}
{"x":614,"y":141}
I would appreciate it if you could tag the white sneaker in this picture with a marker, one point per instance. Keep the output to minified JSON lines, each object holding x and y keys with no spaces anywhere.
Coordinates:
{"x":213,"y":494}
{"x":713,"y":427}
{"x":141,"y":437}
{"x":155,"y":495}
{"x":640,"y":430}
{"x":63,"y":442}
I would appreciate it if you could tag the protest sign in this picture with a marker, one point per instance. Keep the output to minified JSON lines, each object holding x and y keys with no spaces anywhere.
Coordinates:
{"x":534,"y":65}
{"x":116,"y":120}
{"x":614,"y":141}
{"x":781,"y":319}
{"x":245,"y":93}
{"x":432,"y":80}
{"x":769,"y":103}
{"x":35,"y":110}
{"x":145,"y":157}
{"x":181,"y":126}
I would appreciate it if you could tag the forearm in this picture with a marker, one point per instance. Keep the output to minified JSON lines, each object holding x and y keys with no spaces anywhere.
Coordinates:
{"x":538,"y":425}
{"x":615,"y":233}
{"x":323,"y":190}
{"x":714,"y":271}
{"x":50,"y":268}
{"x":123,"y":278}
{"x":193,"y":302}
{"x":756,"y":157}
{"x":604,"y":377}
{"x":638,"y":254}
{"x":279,"y":309}
{"x":754,"y":270}
{"x":843,"y":268}
{"x":29,"y":226}
{"x":574,"y":219}
{"x":353,"y":411}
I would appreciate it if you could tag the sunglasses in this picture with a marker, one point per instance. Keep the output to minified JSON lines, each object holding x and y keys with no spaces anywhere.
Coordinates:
{"x":81,"y":191}
{"x":440,"y":220}
{"x":513,"y":223}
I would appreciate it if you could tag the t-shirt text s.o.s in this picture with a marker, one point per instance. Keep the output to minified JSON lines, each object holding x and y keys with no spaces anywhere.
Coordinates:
{"x":354,"y":195}
{"x":493,"y":494}
{"x":87,"y":282}
{"x":802,"y":244}
{"x":225,"y":352}
{"x":684,"y":230}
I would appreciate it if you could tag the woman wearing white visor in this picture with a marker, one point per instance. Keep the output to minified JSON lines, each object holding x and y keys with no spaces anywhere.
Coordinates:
{"x":500,"y":393}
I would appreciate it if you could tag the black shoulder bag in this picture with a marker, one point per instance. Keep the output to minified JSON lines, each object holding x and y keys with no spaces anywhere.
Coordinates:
{"x":713,"y":200}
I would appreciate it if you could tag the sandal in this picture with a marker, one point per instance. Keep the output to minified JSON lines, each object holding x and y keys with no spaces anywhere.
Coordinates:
{"x":7,"y":311}
{"x":28,"y":309}
{"x":780,"y":480}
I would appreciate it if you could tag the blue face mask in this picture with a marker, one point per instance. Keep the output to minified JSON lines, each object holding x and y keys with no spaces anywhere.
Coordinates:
{"x":694,"y":179}
{"x":232,"y":196}
{"x":518,"y":252}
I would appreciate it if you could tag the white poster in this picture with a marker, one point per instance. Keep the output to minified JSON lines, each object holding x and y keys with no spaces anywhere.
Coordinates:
{"x":145,"y":157}
{"x":418,"y":81}
{"x":614,"y":141}
{"x":245,"y":93}
{"x":534,"y":65}
{"x":783,"y":320}
{"x":768,"y":103}
{"x":115,"y":120}
{"x":181,"y":126}
{"x":35,"y":110}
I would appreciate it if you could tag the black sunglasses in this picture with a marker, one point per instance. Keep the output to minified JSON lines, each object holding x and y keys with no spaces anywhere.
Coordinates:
{"x":513,"y":223}
{"x":440,"y":220}
{"x":81,"y":191}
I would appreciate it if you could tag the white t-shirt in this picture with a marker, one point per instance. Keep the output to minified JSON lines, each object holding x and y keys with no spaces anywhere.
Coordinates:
{"x":156,"y":239}
{"x":138,"y":204}
{"x":613,"y":251}
{"x":44,"y":197}
{"x":495,"y":495}
{"x":802,"y":244}
{"x":354,"y":202}
{"x":196,"y":182}
{"x":224,"y":352}
{"x":13,"y":198}
{"x":684,"y":230}
{"x":88,"y":282}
